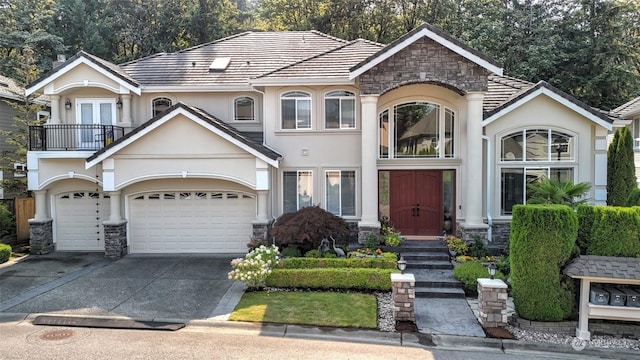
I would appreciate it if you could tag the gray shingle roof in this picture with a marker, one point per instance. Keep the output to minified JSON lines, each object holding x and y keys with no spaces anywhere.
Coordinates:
{"x":627,"y":108}
{"x":332,"y":64}
{"x":500,"y":89}
{"x":252,"y":54}
{"x":603,"y":267}
{"x":9,"y":89}
{"x":250,"y":139}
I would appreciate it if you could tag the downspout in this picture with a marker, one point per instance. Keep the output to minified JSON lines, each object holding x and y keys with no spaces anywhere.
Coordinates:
{"x":489,"y":188}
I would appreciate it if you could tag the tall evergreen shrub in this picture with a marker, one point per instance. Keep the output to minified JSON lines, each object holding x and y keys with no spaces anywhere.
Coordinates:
{"x":621,"y":173}
{"x":615,"y":231}
{"x":542,"y":240}
{"x":586,"y":214}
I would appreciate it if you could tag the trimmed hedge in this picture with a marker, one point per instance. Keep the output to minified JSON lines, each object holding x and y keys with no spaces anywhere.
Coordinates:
{"x":468,"y":274}
{"x":542,"y":240}
{"x":332,"y":278}
{"x":586,"y":215}
{"x":615,"y":231}
{"x":5,"y":253}
{"x":310,"y":263}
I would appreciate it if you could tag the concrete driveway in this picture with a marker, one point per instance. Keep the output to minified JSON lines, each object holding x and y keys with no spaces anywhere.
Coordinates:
{"x":182,"y":287}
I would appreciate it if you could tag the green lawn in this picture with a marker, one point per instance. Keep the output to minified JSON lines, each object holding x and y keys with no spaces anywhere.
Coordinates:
{"x":308,"y":308}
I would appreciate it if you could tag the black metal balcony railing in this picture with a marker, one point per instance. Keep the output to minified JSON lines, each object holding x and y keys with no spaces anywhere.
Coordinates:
{"x":68,"y":137}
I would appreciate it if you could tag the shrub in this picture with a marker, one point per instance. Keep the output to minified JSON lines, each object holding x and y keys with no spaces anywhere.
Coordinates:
{"x":7,"y":221}
{"x":615,"y":232}
{"x":468,"y":274}
{"x":371,"y":241}
{"x":551,"y":191}
{"x":586,"y":215}
{"x":290,"y":251}
{"x":392,"y":239}
{"x":503,"y":263}
{"x":5,"y":253}
{"x":332,"y":278}
{"x":307,"y":227}
{"x":315,"y":253}
{"x":254,"y":268}
{"x":383,"y":262}
{"x":478,"y":249}
{"x":634,"y":198}
{"x":329,"y":255}
{"x":541,"y":241}
{"x":621,"y":173}
{"x":456,"y":244}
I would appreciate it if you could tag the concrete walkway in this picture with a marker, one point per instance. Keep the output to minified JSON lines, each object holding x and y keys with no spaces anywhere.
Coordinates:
{"x":446,"y":316}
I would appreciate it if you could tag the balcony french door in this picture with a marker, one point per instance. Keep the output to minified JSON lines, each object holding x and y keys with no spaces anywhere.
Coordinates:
{"x":94,"y":112}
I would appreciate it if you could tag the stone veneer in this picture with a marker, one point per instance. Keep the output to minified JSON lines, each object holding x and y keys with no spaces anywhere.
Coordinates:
{"x":261,"y":231}
{"x":492,"y":302}
{"x":424,"y":61}
{"x":115,"y":239}
{"x":403,"y":293}
{"x":41,"y":236}
{"x":364,"y":231}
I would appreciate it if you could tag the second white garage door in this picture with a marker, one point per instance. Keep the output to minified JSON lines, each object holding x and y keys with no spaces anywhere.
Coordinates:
{"x":191,"y":222}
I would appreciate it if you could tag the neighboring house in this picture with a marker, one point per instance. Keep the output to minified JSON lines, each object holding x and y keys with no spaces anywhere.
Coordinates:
{"x":629,"y":114}
{"x":198,"y":150}
{"x":11,"y":93}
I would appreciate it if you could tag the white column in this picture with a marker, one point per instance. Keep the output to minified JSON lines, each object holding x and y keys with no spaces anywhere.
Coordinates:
{"x":582,"y":331}
{"x":262,"y":206}
{"x":115,"y":215}
{"x":41,"y":205}
{"x":369,"y":177}
{"x":126,"y":110}
{"x":473,"y":159}
{"x":55,"y":109}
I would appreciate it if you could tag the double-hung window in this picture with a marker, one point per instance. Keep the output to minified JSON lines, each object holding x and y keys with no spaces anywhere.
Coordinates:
{"x":340,"y":190}
{"x":297,"y":190}
{"x":243,"y":109}
{"x":531,"y":155}
{"x":296,"y":110}
{"x":340,"y":110}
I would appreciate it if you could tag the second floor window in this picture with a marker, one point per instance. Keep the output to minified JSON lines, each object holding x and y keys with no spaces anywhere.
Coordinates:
{"x":340,"y":110}
{"x":296,"y":110}
{"x":160,"y":105}
{"x":243,"y":109}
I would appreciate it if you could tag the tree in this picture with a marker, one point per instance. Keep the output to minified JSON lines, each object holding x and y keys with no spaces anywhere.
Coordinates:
{"x":26,"y":115}
{"x":551,"y":191}
{"x":621,"y":178}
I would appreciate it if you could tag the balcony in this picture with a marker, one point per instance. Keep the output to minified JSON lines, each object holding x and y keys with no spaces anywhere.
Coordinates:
{"x":72,"y":137}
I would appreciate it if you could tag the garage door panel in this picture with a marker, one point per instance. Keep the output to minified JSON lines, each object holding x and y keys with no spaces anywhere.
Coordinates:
{"x":191,"y":222}
{"x":79,"y":217}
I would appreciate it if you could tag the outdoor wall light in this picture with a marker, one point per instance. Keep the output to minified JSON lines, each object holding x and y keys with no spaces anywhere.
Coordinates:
{"x":402,"y":265}
{"x":492,"y":270}
{"x":119,"y":103}
{"x":67,"y":104}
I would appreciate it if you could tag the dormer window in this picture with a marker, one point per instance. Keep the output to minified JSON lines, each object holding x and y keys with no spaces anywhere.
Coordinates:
{"x":296,"y":110}
{"x":160,"y":105}
{"x":340,"y":110}
{"x":243,"y":109}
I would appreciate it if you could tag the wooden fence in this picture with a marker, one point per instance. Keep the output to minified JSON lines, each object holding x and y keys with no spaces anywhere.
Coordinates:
{"x":23,"y":209}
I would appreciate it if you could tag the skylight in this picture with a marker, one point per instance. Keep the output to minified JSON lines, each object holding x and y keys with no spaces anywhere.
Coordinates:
{"x":219,"y":64}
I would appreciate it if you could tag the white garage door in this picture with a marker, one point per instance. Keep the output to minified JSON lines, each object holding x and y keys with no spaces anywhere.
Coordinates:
{"x":191,"y":222}
{"x":79,"y":217}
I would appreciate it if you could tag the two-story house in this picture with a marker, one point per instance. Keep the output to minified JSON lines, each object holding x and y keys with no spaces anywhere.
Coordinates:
{"x":197,"y":150}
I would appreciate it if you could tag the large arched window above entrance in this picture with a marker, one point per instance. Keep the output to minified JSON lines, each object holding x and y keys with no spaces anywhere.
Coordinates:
{"x":529,"y":155}
{"x":417,"y":130}
{"x":160,"y":105}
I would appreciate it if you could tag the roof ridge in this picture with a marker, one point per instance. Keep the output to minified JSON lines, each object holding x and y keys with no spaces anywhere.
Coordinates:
{"x":143,"y":58}
{"x":370,"y":42}
{"x":501,"y":79}
{"x":326,"y":35}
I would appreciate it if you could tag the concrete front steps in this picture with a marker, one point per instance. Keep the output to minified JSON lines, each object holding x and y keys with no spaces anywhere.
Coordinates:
{"x":429,"y":261}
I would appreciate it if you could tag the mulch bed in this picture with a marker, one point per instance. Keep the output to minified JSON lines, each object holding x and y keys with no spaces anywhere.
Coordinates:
{"x":498,"y":333}
{"x":406,"y":326}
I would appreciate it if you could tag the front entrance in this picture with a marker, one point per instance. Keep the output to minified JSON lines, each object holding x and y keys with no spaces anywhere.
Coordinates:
{"x":417,"y":202}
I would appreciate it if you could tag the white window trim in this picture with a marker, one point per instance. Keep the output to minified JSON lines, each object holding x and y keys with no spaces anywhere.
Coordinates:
{"x":342,"y":97}
{"x":297,"y":98}
{"x":355,"y":210}
{"x":234,"y":109}
{"x":550,"y":159}
{"x":442,"y":107}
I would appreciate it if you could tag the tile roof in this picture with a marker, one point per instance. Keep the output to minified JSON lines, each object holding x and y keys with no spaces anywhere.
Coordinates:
{"x":331,"y":64}
{"x":630,"y":107}
{"x":252,"y":54}
{"x":9,"y":89}
{"x":603,"y":267}
{"x":501,"y":89}
{"x":249,"y":139}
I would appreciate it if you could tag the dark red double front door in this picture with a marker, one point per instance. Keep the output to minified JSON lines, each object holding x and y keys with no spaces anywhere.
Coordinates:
{"x":415,"y":201}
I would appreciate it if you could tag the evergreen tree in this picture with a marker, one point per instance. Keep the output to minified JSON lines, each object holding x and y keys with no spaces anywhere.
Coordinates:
{"x":621,"y":178}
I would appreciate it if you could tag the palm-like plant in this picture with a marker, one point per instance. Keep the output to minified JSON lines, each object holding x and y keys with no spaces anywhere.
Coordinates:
{"x":548,"y":191}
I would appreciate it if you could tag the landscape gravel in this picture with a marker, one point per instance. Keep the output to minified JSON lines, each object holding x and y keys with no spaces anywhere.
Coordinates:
{"x":385,"y":312}
{"x":604,"y":342}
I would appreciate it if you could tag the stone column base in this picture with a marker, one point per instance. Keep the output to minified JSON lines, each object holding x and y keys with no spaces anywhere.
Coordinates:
{"x":403,"y":292}
{"x":261,"y":231}
{"x":41,"y":236}
{"x":492,"y":302}
{"x":364,"y":231}
{"x":468,"y":233}
{"x":115,"y":239}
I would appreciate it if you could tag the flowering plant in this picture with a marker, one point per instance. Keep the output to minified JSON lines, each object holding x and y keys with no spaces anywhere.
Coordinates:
{"x":255,"y":267}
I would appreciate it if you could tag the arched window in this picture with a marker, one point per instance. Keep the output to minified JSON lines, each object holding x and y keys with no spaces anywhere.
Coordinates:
{"x":417,"y":130}
{"x":529,"y":155}
{"x":243,"y":109}
{"x":296,"y":110}
{"x":160,"y":105}
{"x":340,"y":110}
